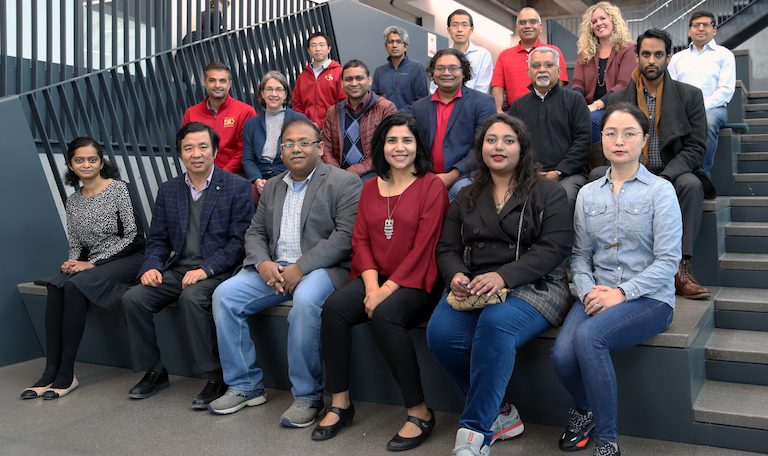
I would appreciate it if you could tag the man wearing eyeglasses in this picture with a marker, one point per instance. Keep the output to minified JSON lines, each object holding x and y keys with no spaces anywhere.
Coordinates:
{"x":558,"y":120}
{"x":224,"y":114}
{"x":401,"y":80}
{"x":349,"y":124}
{"x":449,"y":118}
{"x":297,"y":248}
{"x":711,"y":68}
{"x":511,"y":72}
{"x":676,"y":140}
{"x":460,"y":28}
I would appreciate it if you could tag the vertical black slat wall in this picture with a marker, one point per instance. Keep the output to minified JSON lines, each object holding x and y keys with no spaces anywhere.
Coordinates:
{"x":34,"y":57}
{"x":19,"y":45}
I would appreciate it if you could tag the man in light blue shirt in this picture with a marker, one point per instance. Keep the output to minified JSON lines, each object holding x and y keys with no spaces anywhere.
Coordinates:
{"x":711,"y":68}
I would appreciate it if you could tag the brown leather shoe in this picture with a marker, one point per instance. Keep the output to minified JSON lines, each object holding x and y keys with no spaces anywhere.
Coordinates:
{"x":686,"y":286}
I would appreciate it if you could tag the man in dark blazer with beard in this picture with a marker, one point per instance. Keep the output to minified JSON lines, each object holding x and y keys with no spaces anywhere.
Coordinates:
{"x":676,"y":140}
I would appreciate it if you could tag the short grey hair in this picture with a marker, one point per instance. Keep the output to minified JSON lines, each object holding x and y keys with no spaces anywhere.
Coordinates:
{"x":395,"y":29}
{"x":279,"y":77}
{"x":552,"y":51}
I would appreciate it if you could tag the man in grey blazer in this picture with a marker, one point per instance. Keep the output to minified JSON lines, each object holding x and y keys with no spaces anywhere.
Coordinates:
{"x":297,"y":247}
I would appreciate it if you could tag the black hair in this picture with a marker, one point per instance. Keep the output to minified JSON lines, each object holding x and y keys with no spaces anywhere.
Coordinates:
{"x":466,"y":69}
{"x":630,"y":109}
{"x":699,"y":14}
{"x":196,"y":127}
{"x":315,"y":35}
{"x":461,"y":12}
{"x":526,"y":174}
{"x":354,"y":63}
{"x":108,"y":169}
{"x":303,"y":121}
{"x":657,"y":34}
{"x":217,"y":66}
{"x":423,"y":160}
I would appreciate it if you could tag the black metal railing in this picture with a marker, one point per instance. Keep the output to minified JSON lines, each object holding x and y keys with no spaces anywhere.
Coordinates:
{"x":136,"y":108}
{"x":47,"y":41}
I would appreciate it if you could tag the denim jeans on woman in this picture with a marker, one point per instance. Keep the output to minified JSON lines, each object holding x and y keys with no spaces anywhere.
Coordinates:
{"x":582,"y":357}
{"x":477,"y":349}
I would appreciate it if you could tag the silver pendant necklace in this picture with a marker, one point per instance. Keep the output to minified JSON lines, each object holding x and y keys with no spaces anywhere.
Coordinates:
{"x":389,"y":222}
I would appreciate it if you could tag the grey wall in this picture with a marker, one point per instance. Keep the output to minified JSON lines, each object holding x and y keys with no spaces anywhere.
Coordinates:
{"x":756,"y":47}
{"x":33,"y":239}
{"x":358,"y":29}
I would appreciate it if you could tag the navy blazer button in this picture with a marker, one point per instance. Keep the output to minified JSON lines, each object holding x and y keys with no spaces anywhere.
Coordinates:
{"x":481,"y":245}
{"x":218,"y":187}
{"x":476,"y":230}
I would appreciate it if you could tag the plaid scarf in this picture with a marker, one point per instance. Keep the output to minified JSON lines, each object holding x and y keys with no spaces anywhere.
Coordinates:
{"x":638,"y":79}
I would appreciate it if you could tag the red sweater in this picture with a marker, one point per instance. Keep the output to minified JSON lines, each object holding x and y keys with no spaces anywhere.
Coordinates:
{"x":228,"y":123}
{"x":408,"y":259}
{"x":312,"y":97}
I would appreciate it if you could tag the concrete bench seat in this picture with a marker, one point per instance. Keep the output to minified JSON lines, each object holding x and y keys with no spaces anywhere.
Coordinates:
{"x":661,"y":377}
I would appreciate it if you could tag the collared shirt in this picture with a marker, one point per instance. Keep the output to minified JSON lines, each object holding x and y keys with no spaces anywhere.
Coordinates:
{"x":195,"y":192}
{"x":713,"y":70}
{"x":481,"y":63}
{"x":630,"y":239}
{"x":318,"y":70}
{"x":655,"y":163}
{"x":444,"y":111}
{"x":511,"y":71}
{"x":288,"y":247}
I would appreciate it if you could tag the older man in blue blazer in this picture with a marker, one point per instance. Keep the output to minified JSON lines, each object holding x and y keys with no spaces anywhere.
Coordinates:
{"x":449,"y":118}
{"x":195,"y":241}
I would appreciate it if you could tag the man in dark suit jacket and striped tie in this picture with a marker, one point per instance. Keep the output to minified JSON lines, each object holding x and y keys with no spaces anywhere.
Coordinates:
{"x":195,"y":241}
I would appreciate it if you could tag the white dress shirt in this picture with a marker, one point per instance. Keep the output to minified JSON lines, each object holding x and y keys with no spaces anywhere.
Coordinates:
{"x":713,"y":70}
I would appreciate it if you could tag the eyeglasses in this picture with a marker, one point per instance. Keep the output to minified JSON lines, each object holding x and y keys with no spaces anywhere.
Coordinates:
{"x":394,"y":41}
{"x":627,"y":135}
{"x":273,"y":89}
{"x":463,"y":25}
{"x":547,"y":65}
{"x":698,"y":25}
{"x":524,"y":22}
{"x":303,"y":145}
{"x":450,"y":68}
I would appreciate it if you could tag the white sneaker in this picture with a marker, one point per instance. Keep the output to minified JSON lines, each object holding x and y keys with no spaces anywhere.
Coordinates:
{"x":508,"y":424}
{"x":470,"y":443}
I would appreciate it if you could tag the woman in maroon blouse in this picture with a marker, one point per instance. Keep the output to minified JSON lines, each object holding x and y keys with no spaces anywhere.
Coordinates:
{"x":394,"y":276}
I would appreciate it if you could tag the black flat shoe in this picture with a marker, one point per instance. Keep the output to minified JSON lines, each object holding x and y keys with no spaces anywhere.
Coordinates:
{"x":328,"y":432}
{"x":33,"y":392}
{"x":149,"y":385}
{"x":213,"y":390}
{"x":399,"y":443}
{"x":55,"y":393}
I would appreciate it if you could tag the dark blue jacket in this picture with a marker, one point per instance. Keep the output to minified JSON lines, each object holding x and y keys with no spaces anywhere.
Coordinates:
{"x":402,"y":85}
{"x":469,"y":113}
{"x":226,"y":215}
{"x":254,"y":136}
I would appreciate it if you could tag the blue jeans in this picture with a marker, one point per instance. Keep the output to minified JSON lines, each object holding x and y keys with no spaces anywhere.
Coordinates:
{"x":453,"y":191}
{"x":477,"y":349}
{"x":716,"y":118}
{"x":246,"y":294}
{"x":582,"y":357}
{"x":597,"y":119}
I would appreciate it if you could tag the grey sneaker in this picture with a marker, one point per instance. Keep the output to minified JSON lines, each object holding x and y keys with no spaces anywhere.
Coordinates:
{"x":233,"y":400}
{"x":470,"y":443}
{"x":508,"y":424}
{"x":301,"y":413}
{"x":603,"y":448}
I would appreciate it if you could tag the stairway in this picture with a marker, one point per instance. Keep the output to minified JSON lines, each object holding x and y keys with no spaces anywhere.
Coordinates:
{"x":731,"y":409}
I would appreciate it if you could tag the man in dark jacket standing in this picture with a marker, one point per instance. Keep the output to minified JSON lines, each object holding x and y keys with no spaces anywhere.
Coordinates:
{"x":559,"y":122}
{"x":676,"y":140}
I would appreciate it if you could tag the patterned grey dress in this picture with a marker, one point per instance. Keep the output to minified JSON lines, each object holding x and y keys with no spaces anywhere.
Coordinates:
{"x":102,"y":229}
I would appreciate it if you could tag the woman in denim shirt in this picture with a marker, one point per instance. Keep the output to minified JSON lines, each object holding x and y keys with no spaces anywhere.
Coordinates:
{"x":626,"y":252}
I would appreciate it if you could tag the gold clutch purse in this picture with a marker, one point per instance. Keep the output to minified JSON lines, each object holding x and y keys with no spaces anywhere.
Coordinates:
{"x":473,"y":302}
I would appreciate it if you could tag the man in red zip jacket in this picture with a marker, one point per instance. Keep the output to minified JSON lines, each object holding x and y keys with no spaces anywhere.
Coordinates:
{"x":224,"y":114}
{"x":319,"y":85}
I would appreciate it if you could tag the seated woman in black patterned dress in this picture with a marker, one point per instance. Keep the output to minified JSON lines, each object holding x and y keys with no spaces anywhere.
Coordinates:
{"x":105,"y":253}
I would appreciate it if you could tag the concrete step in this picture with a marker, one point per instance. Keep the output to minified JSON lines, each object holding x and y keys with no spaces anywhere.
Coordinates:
{"x":757,"y":125}
{"x":751,"y":177}
{"x":755,"y":94}
{"x":749,"y":208}
{"x":752,"y":138}
{"x":746,"y":229}
{"x":753,"y":146}
{"x":755,"y":113}
{"x":753,"y":107}
{"x":746,"y":244}
{"x":742,"y":308}
{"x":744,"y":261}
{"x":732,"y":404}
{"x":738,"y":345}
{"x":753,"y":162}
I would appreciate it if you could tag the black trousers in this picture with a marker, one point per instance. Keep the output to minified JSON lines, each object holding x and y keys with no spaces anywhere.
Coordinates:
{"x":65,"y":315}
{"x":403,"y":310}
{"x":140,"y":303}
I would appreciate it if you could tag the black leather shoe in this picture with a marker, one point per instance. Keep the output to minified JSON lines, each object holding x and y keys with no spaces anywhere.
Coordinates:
{"x":213,"y":390}
{"x":328,"y":432}
{"x":149,"y":385}
{"x":399,"y":443}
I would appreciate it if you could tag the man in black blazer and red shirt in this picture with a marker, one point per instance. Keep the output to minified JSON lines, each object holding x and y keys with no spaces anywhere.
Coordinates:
{"x":195,"y":241}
